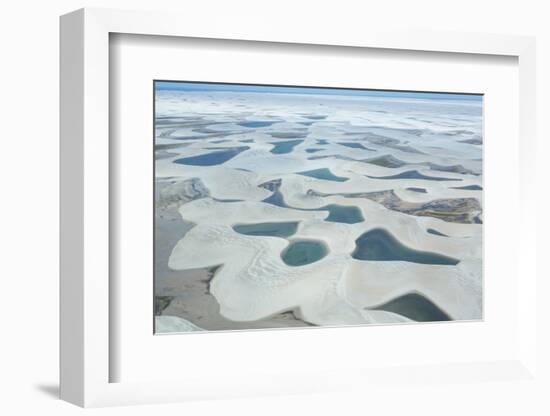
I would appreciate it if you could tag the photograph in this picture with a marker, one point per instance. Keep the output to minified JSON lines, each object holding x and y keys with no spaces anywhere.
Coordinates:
{"x":293,"y":207}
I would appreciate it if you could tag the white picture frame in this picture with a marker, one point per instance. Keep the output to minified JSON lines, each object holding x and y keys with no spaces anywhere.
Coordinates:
{"x":85,"y":210}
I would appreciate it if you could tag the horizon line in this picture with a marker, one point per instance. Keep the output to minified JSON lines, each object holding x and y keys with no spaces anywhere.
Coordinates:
{"x":196,"y":86}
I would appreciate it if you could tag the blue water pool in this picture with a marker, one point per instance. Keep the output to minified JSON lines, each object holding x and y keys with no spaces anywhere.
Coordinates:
{"x":302,"y":252}
{"x":354,"y":145}
{"x":285,"y":147}
{"x":213,"y":158}
{"x":413,"y":174}
{"x":379,"y":245}
{"x":324,"y":174}
{"x":255,"y":124}
{"x":268,"y":229}
{"x":416,"y":307}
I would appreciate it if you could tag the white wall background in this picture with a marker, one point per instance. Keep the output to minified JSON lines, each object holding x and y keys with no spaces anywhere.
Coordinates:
{"x":29,"y":205}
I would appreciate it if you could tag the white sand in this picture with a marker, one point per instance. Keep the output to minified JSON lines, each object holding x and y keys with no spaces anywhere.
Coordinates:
{"x":254,"y":282}
{"x":165,"y":324}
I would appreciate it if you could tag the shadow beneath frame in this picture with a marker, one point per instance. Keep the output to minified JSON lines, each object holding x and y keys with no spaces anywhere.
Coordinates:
{"x":51,"y":390}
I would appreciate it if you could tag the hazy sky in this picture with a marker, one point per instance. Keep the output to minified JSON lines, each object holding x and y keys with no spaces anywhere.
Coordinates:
{"x":203,"y":86}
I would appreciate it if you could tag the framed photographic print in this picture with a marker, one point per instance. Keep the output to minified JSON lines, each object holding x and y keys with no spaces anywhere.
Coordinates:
{"x":281,"y":207}
{"x":312,"y":203}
